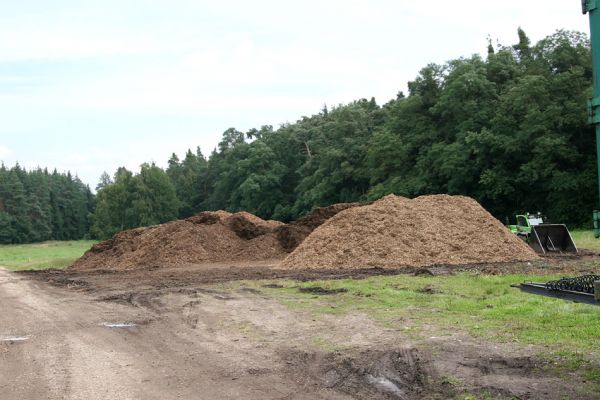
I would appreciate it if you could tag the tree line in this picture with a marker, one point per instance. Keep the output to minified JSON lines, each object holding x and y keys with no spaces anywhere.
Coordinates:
{"x":38,"y":205}
{"x":509,"y":129}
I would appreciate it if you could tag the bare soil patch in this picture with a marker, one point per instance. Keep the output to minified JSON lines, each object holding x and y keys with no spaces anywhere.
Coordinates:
{"x":99,"y":279}
{"x":244,"y":341}
{"x":400,"y":374}
{"x":423,"y":372}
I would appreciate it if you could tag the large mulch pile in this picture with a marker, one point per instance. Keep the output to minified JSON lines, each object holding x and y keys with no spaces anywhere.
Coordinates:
{"x":212,"y":236}
{"x":396,"y":232}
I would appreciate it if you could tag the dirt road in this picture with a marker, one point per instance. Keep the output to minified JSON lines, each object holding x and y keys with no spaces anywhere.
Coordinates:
{"x":166,"y":335}
{"x":62,"y":348}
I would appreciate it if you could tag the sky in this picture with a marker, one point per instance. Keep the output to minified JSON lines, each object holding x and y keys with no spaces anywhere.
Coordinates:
{"x":89,"y":86}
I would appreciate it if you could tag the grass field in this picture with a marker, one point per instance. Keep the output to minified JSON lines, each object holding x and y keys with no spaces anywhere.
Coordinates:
{"x":485,"y":306}
{"x":586,"y":240}
{"x":42,"y":255}
{"x":481,"y":305}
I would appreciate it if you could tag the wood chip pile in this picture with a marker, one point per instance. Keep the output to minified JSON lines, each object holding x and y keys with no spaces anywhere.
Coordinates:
{"x":396,"y":232}
{"x":393,"y":232}
{"x":207,"y":237}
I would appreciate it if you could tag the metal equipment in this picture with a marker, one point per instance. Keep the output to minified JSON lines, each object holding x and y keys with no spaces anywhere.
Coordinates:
{"x":592,"y":7}
{"x":542,"y":237}
{"x":586,"y":288}
{"x":540,"y":288}
{"x":582,"y":289}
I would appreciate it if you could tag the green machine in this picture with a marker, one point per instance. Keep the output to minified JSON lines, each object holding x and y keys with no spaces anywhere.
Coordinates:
{"x":544,"y":238}
{"x":592,"y":7}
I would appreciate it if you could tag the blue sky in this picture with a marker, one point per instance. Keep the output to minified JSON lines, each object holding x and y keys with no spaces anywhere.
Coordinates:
{"x":89,"y":86}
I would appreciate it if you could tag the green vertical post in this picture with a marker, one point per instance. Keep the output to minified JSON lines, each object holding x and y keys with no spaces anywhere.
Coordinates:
{"x":591,"y":7}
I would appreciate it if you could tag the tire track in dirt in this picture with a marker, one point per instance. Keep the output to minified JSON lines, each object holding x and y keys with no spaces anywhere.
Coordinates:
{"x":69,"y":354}
{"x":171,"y":353}
{"x":197,"y":340}
{"x":35,"y":367}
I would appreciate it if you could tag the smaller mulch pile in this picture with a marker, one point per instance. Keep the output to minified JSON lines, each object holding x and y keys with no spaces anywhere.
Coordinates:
{"x":212,"y":236}
{"x":396,"y":232}
{"x":208,"y":237}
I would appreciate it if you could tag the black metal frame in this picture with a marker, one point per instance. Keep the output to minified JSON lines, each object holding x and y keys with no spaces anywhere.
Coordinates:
{"x":540,"y":288}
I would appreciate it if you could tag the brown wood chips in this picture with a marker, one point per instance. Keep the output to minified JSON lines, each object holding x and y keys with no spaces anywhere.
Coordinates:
{"x":393,"y":232}
{"x":396,"y":232}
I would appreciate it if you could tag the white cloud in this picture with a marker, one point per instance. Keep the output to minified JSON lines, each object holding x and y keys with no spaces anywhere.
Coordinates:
{"x":214,"y":65}
{"x":232,"y":79}
{"x":4,"y":151}
{"x":52,"y":42}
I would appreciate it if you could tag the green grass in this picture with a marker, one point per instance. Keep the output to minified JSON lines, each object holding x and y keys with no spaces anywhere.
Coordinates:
{"x":585,"y":240}
{"x":481,"y":305}
{"x":42,"y":255}
{"x":418,"y":307}
{"x":484,"y":306}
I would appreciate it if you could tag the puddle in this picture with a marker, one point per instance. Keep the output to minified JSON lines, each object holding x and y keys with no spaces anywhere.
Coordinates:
{"x":118,"y":324}
{"x":13,"y":338}
{"x":385,"y":385}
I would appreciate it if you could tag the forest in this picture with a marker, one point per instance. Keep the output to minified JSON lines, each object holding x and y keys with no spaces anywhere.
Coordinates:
{"x":509,"y":130}
{"x":38,"y":205}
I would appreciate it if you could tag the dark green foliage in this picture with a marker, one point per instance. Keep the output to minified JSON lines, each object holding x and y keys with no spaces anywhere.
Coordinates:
{"x":130,"y":201}
{"x":336,"y":170}
{"x":36,"y":206}
{"x":154,"y":199}
{"x":509,"y":131}
{"x":188,"y":176}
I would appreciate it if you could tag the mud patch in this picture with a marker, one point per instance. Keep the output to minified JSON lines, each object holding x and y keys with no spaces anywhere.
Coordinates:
{"x":505,"y":366}
{"x":122,"y":298}
{"x":398,"y":374}
{"x":321,"y":291}
{"x":149,"y":300}
{"x":103,"y":280}
{"x":428,"y":289}
{"x":273,"y":286}
{"x":250,"y":290}
{"x":74,"y":284}
{"x":216,"y":294}
{"x":424,"y":271}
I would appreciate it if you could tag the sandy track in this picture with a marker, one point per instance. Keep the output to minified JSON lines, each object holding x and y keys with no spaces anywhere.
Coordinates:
{"x":70,"y":354}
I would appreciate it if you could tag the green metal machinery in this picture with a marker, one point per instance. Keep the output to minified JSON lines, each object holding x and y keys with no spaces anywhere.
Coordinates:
{"x":592,"y":7}
{"x":544,"y":238}
{"x":584,"y":288}
{"x":524,"y":223}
